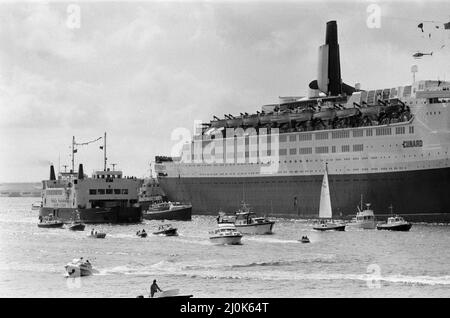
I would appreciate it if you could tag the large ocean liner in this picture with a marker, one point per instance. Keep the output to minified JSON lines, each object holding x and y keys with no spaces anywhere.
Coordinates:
{"x":389,"y":145}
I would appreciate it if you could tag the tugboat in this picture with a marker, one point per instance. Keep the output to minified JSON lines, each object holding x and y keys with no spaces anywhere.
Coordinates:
{"x":79,"y":267}
{"x":141,"y":234}
{"x":395,"y":223}
{"x":168,"y":211}
{"x":325,"y":212}
{"x":106,"y":197}
{"x":167,"y":230}
{"x":247,"y":222}
{"x":50,"y":222}
{"x":226,"y":234}
{"x":365,"y":219}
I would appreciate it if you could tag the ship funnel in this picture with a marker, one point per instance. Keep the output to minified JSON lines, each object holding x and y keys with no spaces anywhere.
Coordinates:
{"x":80,"y":172}
{"x":329,"y":79}
{"x":52,"y":173}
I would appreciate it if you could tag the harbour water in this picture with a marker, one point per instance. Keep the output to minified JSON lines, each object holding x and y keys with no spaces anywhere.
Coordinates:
{"x":354,"y":263}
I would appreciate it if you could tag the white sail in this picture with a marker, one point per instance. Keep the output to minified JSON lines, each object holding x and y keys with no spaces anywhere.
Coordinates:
{"x":325,"y":201}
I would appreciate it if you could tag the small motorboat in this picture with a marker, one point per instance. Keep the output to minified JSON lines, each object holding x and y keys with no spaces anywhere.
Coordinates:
{"x":36,"y":205}
{"x":329,"y":226}
{"x":395,"y":223}
{"x":95,"y":234}
{"x":50,"y":222}
{"x":227,"y":234}
{"x":77,"y":226}
{"x":305,"y":239}
{"x":365,"y":219}
{"x":171,"y":293}
{"x":167,"y":230}
{"x":141,"y":234}
{"x":79,"y":267}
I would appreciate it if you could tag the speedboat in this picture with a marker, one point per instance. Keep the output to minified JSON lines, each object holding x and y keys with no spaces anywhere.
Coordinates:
{"x":167,"y":230}
{"x":95,"y":234}
{"x":395,"y":223}
{"x":141,"y":234}
{"x":77,"y":226}
{"x":79,"y":267}
{"x":36,"y":205}
{"x":305,"y":239}
{"x":365,"y":219}
{"x":227,"y":234}
{"x":247,"y":222}
{"x":50,"y":222}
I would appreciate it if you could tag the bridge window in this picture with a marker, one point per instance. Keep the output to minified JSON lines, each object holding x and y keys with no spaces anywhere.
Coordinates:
{"x":124,"y":191}
{"x":101,"y":191}
{"x":109,"y":191}
{"x":92,"y":191}
{"x":117,"y":191}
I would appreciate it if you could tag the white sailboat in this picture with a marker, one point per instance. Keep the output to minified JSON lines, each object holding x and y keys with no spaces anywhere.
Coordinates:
{"x":325,"y":211}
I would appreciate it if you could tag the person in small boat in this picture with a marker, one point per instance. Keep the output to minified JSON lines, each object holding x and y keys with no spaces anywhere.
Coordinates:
{"x":154,"y":288}
{"x":143,"y":231}
{"x":92,"y":232}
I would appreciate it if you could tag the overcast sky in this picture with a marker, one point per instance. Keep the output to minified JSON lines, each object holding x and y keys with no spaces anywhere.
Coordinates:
{"x":139,"y":70}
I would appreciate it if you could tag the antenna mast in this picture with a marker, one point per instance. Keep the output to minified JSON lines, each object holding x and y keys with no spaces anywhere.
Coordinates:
{"x":73,"y":153}
{"x":104,"y":152}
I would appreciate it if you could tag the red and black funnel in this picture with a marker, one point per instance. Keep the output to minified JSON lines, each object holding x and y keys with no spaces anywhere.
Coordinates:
{"x":80,"y":172}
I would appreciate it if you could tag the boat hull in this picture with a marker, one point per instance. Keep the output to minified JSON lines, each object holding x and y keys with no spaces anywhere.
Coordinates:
{"x":77,"y":227}
{"x":255,"y":229}
{"x":51,"y":225}
{"x":176,"y":214}
{"x":171,"y":232}
{"x":96,"y":215}
{"x":226,"y":240}
{"x":98,"y":235}
{"x":362,"y":225}
{"x":330,"y":227}
{"x":398,"y":227}
{"x":419,"y":196}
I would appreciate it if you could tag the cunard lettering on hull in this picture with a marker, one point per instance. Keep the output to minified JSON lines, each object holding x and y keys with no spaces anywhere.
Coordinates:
{"x":391,"y":141}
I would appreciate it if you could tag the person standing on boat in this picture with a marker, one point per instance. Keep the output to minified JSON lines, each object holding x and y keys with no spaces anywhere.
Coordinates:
{"x":154,"y":288}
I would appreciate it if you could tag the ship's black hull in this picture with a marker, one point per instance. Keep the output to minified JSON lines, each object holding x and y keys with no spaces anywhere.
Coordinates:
{"x":177,"y":214}
{"x":419,"y":196}
{"x":96,"y":215}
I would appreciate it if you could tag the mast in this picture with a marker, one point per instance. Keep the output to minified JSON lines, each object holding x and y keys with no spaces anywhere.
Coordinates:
{"x":73,"y":153}
{"x":104,"y":152}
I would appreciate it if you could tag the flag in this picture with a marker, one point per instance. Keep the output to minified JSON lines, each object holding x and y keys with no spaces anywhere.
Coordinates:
{"x":75,"y":150}
{"x":101,"y":147}
{"x":447,"y":26}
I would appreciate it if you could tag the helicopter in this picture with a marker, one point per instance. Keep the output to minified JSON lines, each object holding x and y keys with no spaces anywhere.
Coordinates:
{"x":418,"y":55}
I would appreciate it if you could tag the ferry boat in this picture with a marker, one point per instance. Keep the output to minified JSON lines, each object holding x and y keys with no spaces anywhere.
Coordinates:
{"x":105,"y":197}
{"x":390,"y":144}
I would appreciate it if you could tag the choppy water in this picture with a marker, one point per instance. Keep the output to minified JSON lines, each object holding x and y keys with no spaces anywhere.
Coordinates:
{"x":354,"y":263}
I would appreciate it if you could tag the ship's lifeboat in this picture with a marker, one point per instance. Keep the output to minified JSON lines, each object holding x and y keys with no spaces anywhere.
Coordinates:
{"x":218,"y":123}
{"x":372,"y":111}
{"x":347,"y":112}
{"x":234,"y":122}
{"x":305,"y":115}
{"x":266,"y":119}
{"x":251,"y":120}
{"x":325,"y":114}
